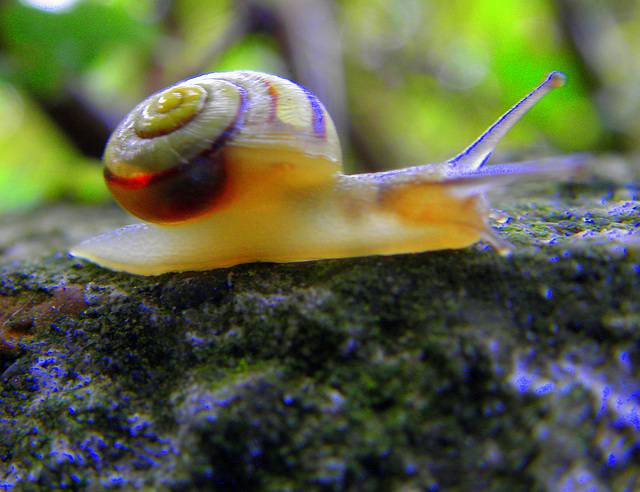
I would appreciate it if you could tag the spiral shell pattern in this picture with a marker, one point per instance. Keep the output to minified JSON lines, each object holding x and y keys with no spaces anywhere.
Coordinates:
{"x":194,"y":146}
{"x":170,"y":110}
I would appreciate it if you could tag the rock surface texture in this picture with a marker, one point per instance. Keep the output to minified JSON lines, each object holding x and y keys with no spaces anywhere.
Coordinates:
{"x":454,"y":370}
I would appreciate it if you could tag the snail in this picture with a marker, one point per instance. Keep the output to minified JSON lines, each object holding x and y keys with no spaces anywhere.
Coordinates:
{"x":236,"y":167}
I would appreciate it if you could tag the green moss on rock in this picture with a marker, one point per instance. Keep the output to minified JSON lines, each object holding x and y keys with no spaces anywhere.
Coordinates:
{"x":452,"y":370}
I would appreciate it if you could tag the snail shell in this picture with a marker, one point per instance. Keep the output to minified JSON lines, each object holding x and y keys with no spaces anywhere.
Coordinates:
{"x":234,"y":167}
{"x":207,"y":142}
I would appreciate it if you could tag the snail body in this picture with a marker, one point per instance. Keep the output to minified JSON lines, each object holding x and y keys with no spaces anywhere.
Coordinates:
{"x":236,"y":167}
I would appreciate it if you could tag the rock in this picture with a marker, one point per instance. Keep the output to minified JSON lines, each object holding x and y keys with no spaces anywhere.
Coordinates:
{"x":451,"y":370}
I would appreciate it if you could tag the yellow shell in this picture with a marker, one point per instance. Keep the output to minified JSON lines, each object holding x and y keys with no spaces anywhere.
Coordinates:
{"x":214,"y":139}
{"x":236,"y":167}
{"x":170,"y":110}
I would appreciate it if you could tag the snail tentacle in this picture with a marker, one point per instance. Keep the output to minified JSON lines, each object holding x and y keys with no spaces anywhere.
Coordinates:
{"x":474,"y":156}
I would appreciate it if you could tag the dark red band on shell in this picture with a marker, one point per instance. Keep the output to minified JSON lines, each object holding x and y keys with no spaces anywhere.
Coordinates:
{"x":176,"y":195}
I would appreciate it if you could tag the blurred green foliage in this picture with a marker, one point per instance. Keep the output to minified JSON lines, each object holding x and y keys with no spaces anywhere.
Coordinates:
{"x":37,"y":160}
{"x":414,"y":80}
{"x":48,"y":50}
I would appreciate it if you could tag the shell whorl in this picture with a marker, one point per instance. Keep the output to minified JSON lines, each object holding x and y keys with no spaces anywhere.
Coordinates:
{"x":198,"y":144}
{"x":170,"y":110}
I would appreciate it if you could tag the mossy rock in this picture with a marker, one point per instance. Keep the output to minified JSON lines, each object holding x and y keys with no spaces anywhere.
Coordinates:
{"x":452,"y":370}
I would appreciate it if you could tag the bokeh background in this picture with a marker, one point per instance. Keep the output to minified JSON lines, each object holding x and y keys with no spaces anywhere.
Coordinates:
{"x":407,"y":81}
